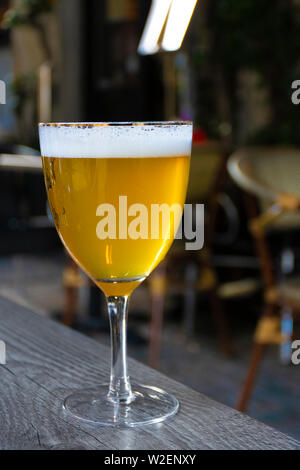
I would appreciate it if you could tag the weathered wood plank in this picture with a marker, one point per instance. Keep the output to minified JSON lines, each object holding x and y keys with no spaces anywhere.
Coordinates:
{"x":45,"y":361}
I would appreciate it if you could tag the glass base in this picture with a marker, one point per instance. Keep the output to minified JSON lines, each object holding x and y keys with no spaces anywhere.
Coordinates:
{"x":150,"y":405}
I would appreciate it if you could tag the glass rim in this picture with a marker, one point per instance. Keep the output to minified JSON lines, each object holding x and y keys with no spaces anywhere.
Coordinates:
{"x":89,"y":125}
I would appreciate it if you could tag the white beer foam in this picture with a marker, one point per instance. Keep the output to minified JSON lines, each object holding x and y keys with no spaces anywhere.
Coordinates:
{"x":115,"y":141}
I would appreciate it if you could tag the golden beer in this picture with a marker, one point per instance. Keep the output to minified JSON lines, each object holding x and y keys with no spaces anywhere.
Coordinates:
{"x":78,"y":186}
{"x":116,"y":192}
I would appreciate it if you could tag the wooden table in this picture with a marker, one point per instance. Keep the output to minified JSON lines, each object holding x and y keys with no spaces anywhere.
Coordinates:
{"x":46,"y":360}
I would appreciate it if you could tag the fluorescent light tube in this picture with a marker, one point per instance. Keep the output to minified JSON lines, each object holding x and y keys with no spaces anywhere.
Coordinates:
{"x":154,"y":25}
{"x":178,"y":20}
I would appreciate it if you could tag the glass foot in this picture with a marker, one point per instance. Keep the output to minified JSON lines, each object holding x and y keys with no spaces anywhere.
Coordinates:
{"x":150,"y":405}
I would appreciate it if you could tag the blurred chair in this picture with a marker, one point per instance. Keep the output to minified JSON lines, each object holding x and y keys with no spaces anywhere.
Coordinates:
{"x":272,"y":175}
{"x":208,"y":178}
{"x":188,"y":272}
{"x":26,"y":161}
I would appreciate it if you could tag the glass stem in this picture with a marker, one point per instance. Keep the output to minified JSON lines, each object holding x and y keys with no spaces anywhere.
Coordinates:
{"x":119,"y":387}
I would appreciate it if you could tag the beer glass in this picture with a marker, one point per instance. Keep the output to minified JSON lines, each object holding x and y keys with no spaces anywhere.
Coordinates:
{"x":108,"y":185}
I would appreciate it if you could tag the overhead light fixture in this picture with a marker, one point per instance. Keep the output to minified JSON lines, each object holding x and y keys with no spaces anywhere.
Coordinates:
{"x":154,"y":25}
{"x":179,"y":17}
{"x":166,"y":25}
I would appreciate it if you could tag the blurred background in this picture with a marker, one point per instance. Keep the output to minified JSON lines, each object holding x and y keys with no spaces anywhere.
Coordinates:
{"x":221,"y":320}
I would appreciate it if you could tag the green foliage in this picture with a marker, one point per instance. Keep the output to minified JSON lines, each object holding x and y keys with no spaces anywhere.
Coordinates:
{"x":26,"y":12}
{"x":24,"y":86}
{"x":258,"y":35}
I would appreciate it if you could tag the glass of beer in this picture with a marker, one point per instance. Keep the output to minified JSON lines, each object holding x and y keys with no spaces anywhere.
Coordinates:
{"x":114,"y":191}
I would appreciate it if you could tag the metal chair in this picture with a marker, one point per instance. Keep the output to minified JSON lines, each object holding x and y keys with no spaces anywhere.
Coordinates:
{"x":272,"y":176}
